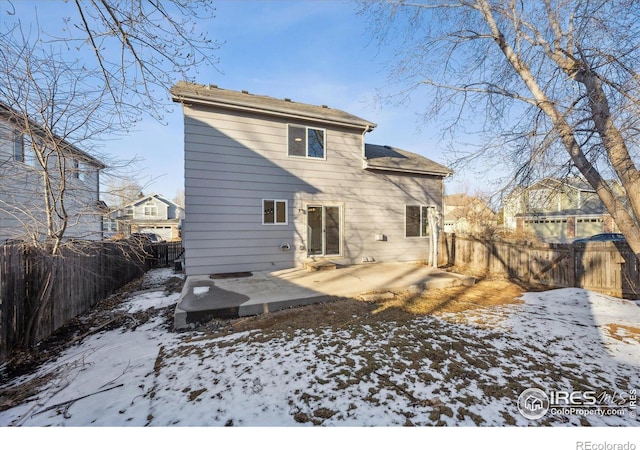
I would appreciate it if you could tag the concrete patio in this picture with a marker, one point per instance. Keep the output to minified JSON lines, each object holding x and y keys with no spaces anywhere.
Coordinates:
{"x":204,"y":297}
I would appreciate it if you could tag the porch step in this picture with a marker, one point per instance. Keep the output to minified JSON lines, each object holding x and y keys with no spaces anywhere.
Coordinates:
{"x":315,"y":266}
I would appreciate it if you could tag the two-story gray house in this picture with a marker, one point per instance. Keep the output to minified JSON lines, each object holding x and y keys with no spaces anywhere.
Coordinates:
{"x":151,"y":213}
{"x":558,"y":210}
{"x":273,"y":184}
{"x":74,"y":185}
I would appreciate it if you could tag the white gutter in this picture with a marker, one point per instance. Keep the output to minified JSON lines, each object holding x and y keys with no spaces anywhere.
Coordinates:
{"x":368,"y":165}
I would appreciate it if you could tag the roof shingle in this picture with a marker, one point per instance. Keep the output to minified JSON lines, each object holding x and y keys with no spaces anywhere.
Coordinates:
{"x":212,"y":95}
{"x":384,"y":157}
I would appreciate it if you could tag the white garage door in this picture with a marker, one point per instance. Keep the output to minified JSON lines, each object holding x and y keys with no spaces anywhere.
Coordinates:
{"x":589,"y":227}
{"x":163,"y":232}
{"x":548,"y":229}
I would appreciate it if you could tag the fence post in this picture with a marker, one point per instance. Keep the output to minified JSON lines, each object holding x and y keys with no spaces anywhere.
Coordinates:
{"x":572,"y":266}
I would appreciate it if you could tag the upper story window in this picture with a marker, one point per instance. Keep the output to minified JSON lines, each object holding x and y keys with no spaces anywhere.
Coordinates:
{"x":18,"y":146}
{"x":79,"y":170}
{"x":306,"y":142}
{"x":150,"y":210}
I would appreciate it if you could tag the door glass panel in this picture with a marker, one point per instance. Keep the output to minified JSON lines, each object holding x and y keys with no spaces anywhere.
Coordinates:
{"x":332,"y":230}
{"x":314,"y":230}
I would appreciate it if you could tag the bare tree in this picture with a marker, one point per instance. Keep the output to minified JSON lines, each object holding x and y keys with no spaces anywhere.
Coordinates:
{"x":137,"y":48}
{"x":112,"y":62}
{"x":122,"y":190}
{"x":179,"y":198}
{"x":556,"y":82}
{"x":51,"y":109}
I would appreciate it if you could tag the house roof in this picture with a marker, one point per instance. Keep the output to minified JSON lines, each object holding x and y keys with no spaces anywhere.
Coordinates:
{"x":185,"y":92}
{"x":13,"y":117}
{"x":459,"y":199}
{"x":458,"y":206}
{"x":384,"y":157}
{"x":145,"y":198}
{"x":575,"y":183}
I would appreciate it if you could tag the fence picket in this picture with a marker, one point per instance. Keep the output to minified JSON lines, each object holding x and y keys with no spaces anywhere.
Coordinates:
{"x":607,"y":267}
{"x":86,"y":274}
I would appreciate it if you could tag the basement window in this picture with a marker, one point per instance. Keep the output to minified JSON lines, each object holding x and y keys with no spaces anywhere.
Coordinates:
{"x":274,"y":212}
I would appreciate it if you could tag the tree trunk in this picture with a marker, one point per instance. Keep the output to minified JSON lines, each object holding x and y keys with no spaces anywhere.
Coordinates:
{"x":610,"y":135}
{"x":43,"y":300}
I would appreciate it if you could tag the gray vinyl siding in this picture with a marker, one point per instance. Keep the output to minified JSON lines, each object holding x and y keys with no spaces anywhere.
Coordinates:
{"x":22,"y":203}
{"x":235,"y":160}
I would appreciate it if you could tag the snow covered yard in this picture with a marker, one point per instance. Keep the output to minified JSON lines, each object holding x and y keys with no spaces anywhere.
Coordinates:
{"x":465,"y":368}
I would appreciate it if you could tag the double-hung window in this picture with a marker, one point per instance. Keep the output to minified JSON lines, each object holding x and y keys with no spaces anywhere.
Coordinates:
{"x":417,"y":220}
{"x":150,"y":210}
{"x":79,"y":170}
{"x":306,"y":142}
{"x":274,"y":212}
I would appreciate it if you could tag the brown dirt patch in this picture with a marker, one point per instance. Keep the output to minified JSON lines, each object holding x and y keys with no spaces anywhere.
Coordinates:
{"x":623,"y":332}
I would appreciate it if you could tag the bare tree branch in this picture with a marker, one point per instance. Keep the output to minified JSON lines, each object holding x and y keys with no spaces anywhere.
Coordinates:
{"x":572,"y":63}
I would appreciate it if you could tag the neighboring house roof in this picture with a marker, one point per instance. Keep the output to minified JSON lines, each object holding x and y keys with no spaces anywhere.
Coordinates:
{"x":144,"y":199}
{"x":459,"y":200}
{"x":574,"y":183}
{"x":462,"y":206}
{"x":13,"y":117}
{"x":384,"y":157}
{"x":590,"y":204}
{"x":212,"y":95}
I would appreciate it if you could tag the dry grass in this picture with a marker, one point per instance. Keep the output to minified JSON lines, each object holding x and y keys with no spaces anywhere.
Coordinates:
{"x":623,"y":332}
{"x":485,"y":293}
{"x":343,"y":312}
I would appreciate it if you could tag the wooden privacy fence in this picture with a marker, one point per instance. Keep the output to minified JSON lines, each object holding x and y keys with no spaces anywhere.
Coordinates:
{"x":84,"y":274}
{"x":607,"y":267}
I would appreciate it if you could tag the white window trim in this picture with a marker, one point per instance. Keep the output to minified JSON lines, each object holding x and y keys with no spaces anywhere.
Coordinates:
{"x":275,"y":203}
{"x":306,"y":129}
{"x":405,"y":220}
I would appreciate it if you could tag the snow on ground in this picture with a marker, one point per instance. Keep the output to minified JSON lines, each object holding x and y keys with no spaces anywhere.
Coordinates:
{"x":464,"y":369}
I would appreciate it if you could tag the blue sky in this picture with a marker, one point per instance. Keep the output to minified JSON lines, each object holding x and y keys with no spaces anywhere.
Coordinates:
{"x":317,"y":52}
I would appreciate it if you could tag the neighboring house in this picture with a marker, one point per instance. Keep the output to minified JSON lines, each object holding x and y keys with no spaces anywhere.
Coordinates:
{"x":272,"y":184}
{"x":22,"y":199}
{"x":467,"y":214}
{"x":557,"y":210}
{"x":148,"y":214}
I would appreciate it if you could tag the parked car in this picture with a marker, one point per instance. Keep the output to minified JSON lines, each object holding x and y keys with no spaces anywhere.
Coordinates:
{"x":147,"y":237}
{"x":602,"y":237}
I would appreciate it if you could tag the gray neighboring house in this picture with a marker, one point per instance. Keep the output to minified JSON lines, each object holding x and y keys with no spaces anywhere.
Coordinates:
{"x":151,"y":213}
{"x":274,"y":184}
{"x":22,"y":205}
{"x":558,"y":210}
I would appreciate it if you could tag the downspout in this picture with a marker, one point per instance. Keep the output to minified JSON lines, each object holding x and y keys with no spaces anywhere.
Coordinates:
{"x":440,"y":221}
{"x":366,"y":130}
